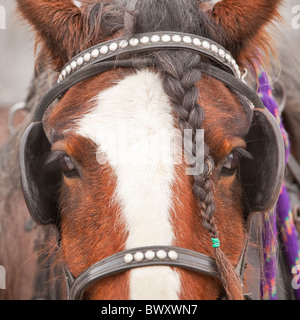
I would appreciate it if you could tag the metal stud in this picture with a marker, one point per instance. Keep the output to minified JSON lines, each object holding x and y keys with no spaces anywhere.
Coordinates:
{"x":134,"y":42}
{"x":144,"y":40}
{"x":176,"y":38}
{"x":113,"y":46}
{"x":173,"y":255}
{"x":161,"y":254}
{"x":73,"y":65}
{"x":80,"y":61}
{"x":68,"y":69}
{"x":155,"y":38}
{"x":138,"y":256}
{"x":95,"y":53}
{"x":166,"y":38}
{"x":214,"y":48}
{"x":150,"y":255}
{"x":197,"y":42}
{"x":222,"y":53}
{"x":206,"y":45}
{"x":187,"y":39}
{"x":228,"y":57}
{"x":128,"y":258}
{"x":104,"y":49}
{"x":87,"y":57}
{"x":64,"y":73}
{"x":123,"y":44}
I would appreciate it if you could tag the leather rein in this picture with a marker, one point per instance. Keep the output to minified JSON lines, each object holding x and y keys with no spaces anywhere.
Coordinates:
{"x":108,"y":56}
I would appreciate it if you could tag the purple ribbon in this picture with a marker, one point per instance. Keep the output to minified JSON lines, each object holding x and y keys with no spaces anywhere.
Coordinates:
{"x":282,"y":219}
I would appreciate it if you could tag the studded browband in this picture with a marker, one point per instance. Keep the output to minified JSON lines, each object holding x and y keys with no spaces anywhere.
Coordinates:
{"x":151,"y":41}
{"x":106,"y":56}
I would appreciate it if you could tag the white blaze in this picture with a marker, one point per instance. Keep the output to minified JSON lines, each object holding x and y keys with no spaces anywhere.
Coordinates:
{"x":133,"y":126}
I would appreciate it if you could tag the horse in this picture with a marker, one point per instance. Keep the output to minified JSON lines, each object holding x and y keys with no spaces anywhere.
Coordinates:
{"x":139,"y":83}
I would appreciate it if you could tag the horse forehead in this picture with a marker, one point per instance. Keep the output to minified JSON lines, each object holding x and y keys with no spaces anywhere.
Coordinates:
{"x":132,"y":119}
{"x":116,"y":99}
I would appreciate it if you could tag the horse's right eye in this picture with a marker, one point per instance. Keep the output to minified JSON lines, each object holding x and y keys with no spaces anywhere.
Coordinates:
{"x":67,"y":166}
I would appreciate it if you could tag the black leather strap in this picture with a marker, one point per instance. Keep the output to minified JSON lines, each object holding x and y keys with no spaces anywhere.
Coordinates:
{"x":97,"y":68}
{"x":122,"y":46}
{"x":187,"y":259}
{"x":81,"y":75}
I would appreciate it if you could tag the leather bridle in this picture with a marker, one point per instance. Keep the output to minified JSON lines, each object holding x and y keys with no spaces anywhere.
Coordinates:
{"x":107,"y":56}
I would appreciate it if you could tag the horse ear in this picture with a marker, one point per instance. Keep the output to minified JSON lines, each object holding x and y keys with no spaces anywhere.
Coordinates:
{"x":59,"y":27}
{"x":244,"y":23}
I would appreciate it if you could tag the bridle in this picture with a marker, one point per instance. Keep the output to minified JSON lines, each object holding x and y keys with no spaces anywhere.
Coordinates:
{"x":107,"y":56}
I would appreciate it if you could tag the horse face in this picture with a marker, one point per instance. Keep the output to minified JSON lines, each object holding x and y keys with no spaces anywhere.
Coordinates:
{"x":126,"y":183}
{"x":117,"y":141}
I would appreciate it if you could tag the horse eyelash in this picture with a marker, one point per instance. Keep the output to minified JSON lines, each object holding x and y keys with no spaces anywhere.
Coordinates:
{"x":243,"y":153}
{"x":54,"y":156}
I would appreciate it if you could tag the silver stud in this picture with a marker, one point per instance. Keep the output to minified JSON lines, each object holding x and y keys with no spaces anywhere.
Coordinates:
{"x":134,"y":42}
{"x":64,"y":73}
{"x":150,"y":255}
{"x":214,"y":48}
{"x":95,"y":53}
{"x":155,"y":38}
{"x":104,"y":49}
{"x":80,"y":61}
{"x":145,"y":40}
{"x":123,"y":44}
{"x":187,"y":39}
{"x":197,"y":42}
{"x":87,"y":57}
{"x":128,"y":258}
{"x":73,"y":65}
{"x":173,"y":255}
{"x":166,"y":38}
{"x":60,"y":78}
{"x":161,"y":254}
{"x":138,"y":256}
{"x":222,"y":53}
{"x":228,"y":57}
{"x":68,"y":69}
{"x":113,"y":46}
{"x":176,"y":38}
{"x":206,"y":45}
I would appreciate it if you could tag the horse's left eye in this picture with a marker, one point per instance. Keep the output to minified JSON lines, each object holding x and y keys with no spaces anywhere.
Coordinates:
{"x":230,"y":164}
{"x":67,"y":166}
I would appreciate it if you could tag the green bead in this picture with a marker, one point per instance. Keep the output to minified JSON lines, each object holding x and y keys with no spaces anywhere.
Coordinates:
{"x":215,"y":242}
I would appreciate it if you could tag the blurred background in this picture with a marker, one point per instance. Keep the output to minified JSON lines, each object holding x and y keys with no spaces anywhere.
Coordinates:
{"x":16,"y":60}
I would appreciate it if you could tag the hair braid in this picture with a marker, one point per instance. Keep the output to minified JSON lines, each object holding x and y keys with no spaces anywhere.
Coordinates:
{"x":180,"y":74}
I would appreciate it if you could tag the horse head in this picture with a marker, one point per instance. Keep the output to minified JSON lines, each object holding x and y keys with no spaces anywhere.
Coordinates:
{"x":149,"y":155}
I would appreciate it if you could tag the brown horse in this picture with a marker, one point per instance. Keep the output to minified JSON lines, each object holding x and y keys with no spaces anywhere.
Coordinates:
{"x":110,"y":135}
